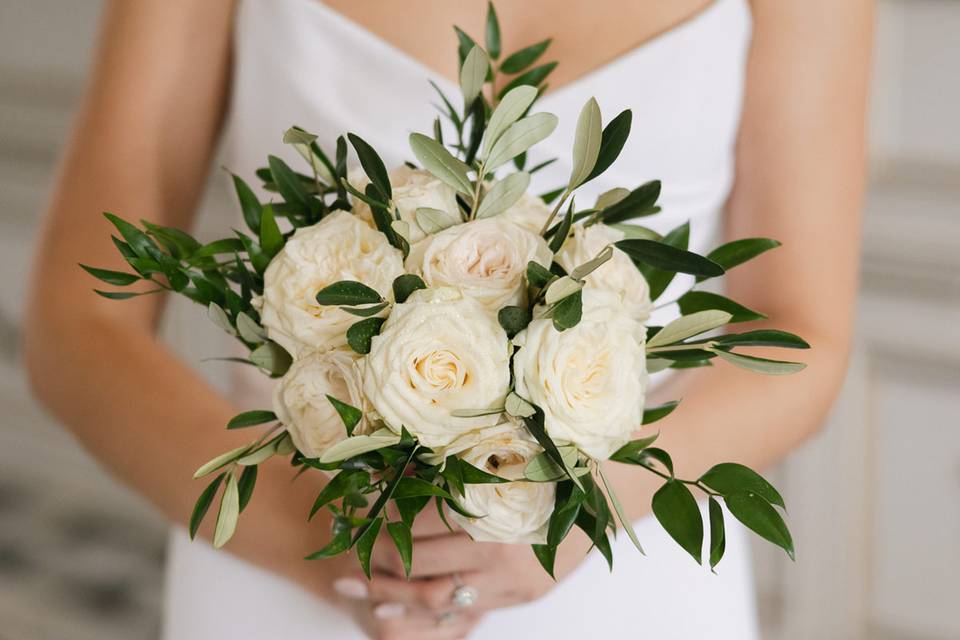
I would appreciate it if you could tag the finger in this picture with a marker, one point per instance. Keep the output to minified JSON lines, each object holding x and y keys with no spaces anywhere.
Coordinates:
{"x":493,"y":589}
{"x":424,"y":627}
{"x":387,"y":588}
{"x":441,"y":555}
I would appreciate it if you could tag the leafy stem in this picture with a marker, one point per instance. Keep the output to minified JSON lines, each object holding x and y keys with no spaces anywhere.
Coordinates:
{"x":556,"y":209}
{"x":692,"y":483}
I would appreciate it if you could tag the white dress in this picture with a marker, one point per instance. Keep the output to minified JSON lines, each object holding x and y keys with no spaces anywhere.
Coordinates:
{"x":299,"y":62}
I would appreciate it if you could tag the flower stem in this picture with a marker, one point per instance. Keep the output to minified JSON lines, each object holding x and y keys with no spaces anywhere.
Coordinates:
{"x":553,"y":214}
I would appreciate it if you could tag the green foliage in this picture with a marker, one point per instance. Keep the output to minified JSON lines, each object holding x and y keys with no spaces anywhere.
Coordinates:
{"x":203,"y":504}
{"x":728,"y":478}
{"x":360,"y":334}
{"x":251,"y":418}
{"x":514,"y":319}
{"x":523,"y":58}
{"x":348,"y":292}
{"x":676,"y":510}
{"x":718,"y":541}
{"x":373,"y":166}
{"x":349,"y":414}
{"x":490,"y":131}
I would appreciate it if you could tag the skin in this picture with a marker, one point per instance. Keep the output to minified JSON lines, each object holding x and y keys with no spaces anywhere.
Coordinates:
{"x":800,"y":173}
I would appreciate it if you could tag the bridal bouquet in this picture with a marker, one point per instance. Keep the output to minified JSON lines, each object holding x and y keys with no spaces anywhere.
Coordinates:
{"x":437,"y":333}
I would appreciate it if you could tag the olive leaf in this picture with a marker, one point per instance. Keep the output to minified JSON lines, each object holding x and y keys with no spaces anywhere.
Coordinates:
{"x":520,"y":60}
{"x":441,"y":163}
{"x":229,"y":513}
{"x":611,"y":197}
{"x":511,"y":107}
{"x":434,"y":220}
{"x":586,"y":143}
{"x":251,"y":418}
{"x":690,"y":325}
{"x":760,"y":365}
{"x":473,"y":73}
{"x":356,"y":445}
{"x":503,"y":195}
{"x":520,"y":136}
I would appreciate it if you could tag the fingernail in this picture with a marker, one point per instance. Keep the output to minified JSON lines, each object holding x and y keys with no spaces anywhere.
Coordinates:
{"x":351,"y":588}
{"x":389,"y":610}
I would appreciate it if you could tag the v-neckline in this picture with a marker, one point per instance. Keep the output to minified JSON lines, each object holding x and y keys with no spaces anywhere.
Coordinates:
{"x":441,"y":79}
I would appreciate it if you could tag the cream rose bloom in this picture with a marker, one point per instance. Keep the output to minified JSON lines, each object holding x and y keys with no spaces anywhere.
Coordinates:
{"x":486,"y":259}
{"x":412,"y":189}
{"x":529,"y":212}
{"x":300,"y":399}
{"x":618,"y":275}
{"x":339,"y":247}
{"x":515,"y":512}
{"x":589,"y":380}
{"x":437,"y":352}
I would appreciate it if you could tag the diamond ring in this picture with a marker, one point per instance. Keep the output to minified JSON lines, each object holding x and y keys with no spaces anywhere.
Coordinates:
{"x":463,"y":596}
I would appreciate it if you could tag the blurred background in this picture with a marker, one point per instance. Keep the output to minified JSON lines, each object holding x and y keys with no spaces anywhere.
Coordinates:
{"x":874,"y":500}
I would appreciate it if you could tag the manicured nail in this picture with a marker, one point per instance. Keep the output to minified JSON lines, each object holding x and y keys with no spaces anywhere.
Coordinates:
{"x":389,"y":610}
{"x":351,"y":588}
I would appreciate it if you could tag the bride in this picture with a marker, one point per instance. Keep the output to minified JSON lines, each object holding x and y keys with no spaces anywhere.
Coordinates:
{"x":751,"y":113}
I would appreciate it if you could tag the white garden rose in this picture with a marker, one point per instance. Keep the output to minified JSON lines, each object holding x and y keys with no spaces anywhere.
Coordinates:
{"x":339,"y":247}
{"x":530,"y":212}
{"x":618,"y":275}
{"x":301,"y":404}
{"x":412,"y":189}
{"x":589,"y":380}
{"x":515,"y":512}
{"x":437,"y":352}
{"x":486,"y":259}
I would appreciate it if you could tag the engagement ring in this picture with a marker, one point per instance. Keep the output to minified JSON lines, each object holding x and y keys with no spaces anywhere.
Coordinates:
{"x":463,"y":596}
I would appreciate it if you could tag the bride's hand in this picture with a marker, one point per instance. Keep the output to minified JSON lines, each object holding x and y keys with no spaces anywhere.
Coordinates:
{"x":503,"y":575}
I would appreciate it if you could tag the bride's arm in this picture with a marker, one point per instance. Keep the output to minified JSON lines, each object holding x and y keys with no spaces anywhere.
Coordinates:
{"x":141,"y":147}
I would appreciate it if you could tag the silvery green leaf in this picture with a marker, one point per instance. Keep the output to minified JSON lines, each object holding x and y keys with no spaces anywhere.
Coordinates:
{"x":590,"y":266}
{"x":249,"y":329}
{"x":760,"y":365}
{"x":513,"y":105}
{"x":219,"y":317}
{"x":636,"y":232}
{"x":519,"y":137}
{"x":518,"y":407}
{"x":476,"y":413}
{"x":690,"y":325}
{"x":295,"y":135}
{"x":586,"y":143}
{"x":301,"y":141}
{"x":229,"y":512}
{"x":434,"y":220}
{"x":285,"y":446}
{"x":220,"y":461}
{"x":259,"y":455}
{"x":611,"y":197}
{"x":561,"y":288}
{"x":438,"y":161}
{"x":503,"y":195}
{"x":542,"y":468}
{"x":473,"y":73}
{"x":402,"y":228}
{"x":357,"y":445}
{"x":655,"y":365}
{"x":272,"y":358}
{"x":622,"y":516}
